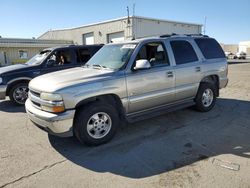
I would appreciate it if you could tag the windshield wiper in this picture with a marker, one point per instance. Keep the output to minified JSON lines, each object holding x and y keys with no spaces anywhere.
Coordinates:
{"x":100,"y":66}
{"x":95,"y":66}
{"x":86,"y":65}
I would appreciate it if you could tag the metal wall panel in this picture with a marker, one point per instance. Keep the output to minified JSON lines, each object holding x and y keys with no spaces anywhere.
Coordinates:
{"x":134,"y":27}
{"x":100,"y":31}
{"x":146,"y":28}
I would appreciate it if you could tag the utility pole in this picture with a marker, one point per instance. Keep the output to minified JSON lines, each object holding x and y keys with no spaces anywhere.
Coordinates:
{"x":134,"y":23}
{"x":128,"y":15}
{"x":134,"y":9}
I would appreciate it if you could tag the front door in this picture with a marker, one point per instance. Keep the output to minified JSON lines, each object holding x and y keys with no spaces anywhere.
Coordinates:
{"x":151,"y":87}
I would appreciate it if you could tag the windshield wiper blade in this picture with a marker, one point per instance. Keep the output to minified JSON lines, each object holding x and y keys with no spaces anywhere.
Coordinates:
{"x":86,"y":65}
{"x":100,"y":66}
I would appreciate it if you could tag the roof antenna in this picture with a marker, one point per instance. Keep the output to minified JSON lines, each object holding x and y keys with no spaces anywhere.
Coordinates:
{"x":205,"y":25}
{"x":134,"y":9}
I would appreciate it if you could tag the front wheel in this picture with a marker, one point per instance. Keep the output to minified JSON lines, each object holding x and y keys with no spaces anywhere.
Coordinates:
{"x":96,"y":123}
{"x":206,"y":97}
{"x":19,"y":93}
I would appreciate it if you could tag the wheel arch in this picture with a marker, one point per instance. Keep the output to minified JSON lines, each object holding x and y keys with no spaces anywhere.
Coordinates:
{"x":213,"y":79}
{"x":112,"y":99}
{"x":15,"y":82}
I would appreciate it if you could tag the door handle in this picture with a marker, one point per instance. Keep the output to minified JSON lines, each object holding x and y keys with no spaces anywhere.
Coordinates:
{"x":197,"y":69}
{"x":170,"y":74}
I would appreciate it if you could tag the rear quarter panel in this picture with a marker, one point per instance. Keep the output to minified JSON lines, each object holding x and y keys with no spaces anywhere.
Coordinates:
{"x":217,"y":67}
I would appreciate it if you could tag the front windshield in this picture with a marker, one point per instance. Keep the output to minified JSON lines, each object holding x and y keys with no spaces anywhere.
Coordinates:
{"x":112,"y":56}
{"x":38,"y":58}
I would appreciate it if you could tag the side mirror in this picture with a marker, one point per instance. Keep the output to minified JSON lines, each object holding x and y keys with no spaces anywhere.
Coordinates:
{"x":51,"y":62}
{"x":142,"y":64}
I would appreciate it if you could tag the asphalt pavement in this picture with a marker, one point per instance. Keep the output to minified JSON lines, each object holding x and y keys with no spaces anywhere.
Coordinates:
{"x":185,"y":148}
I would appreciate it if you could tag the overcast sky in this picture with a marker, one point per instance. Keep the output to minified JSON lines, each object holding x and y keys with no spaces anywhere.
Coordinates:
{"x":227,"y":20}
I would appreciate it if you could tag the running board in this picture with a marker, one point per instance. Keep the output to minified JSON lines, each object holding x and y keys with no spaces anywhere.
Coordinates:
{"x":158,"y":111}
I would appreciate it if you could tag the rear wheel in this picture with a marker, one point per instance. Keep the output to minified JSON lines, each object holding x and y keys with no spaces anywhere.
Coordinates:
{"x":206,"y":97}
{"x":96,"y":123}
{"x":19,"y":93}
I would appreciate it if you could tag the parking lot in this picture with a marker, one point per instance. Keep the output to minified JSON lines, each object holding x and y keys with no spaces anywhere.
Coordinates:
{"x":179,"y":149}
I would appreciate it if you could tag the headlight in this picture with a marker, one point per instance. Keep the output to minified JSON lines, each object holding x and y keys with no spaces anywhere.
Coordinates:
{"x":51,"y":97}
{"x":1,"y":80}
{"x":53,"y":102}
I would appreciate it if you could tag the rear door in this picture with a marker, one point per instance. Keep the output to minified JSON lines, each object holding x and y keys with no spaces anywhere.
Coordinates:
{"x":188,"y":68}
{"x":151,"y":87}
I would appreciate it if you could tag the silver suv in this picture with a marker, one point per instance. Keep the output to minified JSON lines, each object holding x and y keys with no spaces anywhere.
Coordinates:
{"x":127,"y":82}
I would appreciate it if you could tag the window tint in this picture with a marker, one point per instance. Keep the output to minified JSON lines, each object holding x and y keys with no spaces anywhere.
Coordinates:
{"x":210,"y":48}
{"x":84,"y":55}
{"x":183,"y":52}
{"x":154,"y":53}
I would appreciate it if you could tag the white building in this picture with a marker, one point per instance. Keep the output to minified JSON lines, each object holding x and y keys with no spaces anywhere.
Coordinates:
{"x":122,"y":29}
{"x":16,"y":50}
{"x":244,"y":47}
{"x":233,"y":48}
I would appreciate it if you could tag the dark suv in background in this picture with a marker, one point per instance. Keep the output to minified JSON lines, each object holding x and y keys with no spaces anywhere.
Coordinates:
{"x":14,"y":79}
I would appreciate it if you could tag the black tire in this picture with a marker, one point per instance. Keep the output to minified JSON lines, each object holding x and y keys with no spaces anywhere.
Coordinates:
{"x":200,"y":106}
{"x":13,"y":95}
{"x":84,"y":115}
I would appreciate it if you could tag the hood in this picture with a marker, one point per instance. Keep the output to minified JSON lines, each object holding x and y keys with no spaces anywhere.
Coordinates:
{"x":11,"y":68}
{"x":61,"y":79}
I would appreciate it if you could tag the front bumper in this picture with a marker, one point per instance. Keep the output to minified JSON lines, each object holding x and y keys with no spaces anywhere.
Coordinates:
{"x":3,"y":89}
{"x":55,"y":124}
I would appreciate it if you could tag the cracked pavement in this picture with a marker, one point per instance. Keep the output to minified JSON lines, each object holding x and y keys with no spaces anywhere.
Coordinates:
{"x":173,"y":150}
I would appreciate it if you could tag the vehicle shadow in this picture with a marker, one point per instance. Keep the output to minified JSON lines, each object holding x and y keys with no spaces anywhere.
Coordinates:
{"x":167,"y":142}
{"x":8,"y":106}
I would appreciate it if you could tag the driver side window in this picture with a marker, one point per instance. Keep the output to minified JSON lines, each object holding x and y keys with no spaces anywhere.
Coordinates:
{"x":155,"y":53}
{"x":60,"y":57}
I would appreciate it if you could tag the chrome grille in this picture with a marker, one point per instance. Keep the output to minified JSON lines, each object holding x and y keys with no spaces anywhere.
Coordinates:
{"x":37,"y":94}
{"x":35,"y":98}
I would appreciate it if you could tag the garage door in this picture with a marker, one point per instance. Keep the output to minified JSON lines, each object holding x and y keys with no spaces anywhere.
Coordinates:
{"x":88,"y":38}
{"x":116,"y":37}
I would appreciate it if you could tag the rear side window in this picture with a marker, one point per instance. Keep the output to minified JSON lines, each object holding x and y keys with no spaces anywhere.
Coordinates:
{"x":183,"y":52}
{"x":84,"y":54}
{"x":210,"y":48}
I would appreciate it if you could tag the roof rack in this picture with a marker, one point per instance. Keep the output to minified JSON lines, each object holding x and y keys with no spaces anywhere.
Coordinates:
{"x":187,"y":35}
{"x":196,"y":35}
{"x":168,"y":35}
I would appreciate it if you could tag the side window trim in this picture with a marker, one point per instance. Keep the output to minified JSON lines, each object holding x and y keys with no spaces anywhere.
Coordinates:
{"x":72,"y":56}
